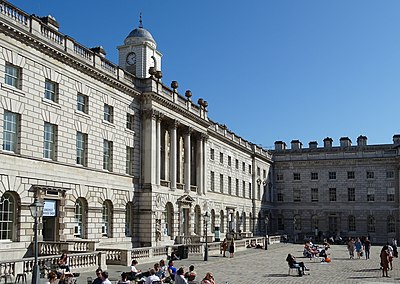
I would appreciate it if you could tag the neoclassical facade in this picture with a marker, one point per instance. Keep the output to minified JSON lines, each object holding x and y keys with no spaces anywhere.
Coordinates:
{"x":122,"y":160}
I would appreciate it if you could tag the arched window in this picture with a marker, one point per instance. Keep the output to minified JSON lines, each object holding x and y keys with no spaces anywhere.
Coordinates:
{"x":281,"y":223}
{"x":169,"y":219}
{"x":244,"y":222}
{"x":80,"y":218}
{"x":8,"y":217}
{"x":222,"y":224}
{"x":212,"y":220}
{"x":391,"y":224}
{"x":197,"y":220}
{"x":106,"y":228}
{"x":297,"y":222}
{"x":352,"y":223}
{"x":128,"y":219}
{"x":371,"y":224}
{"x":314,"y":222}
{"x":154,"y":62}
{"x":238,"y":222}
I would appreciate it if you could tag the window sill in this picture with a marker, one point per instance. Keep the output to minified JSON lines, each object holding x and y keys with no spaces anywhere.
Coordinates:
{"x":129,"y":131}
{"x":108,"y":123}
{"x":83,"y":114}
{"x":12,"y":89}
{"x":50,"y":103}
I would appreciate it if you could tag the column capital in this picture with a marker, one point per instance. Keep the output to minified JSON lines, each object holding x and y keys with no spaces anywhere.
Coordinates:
{"x":149,"y":113}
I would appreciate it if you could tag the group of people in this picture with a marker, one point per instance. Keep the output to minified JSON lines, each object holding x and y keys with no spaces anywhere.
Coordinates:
{"x":164,"y":273}
{"x":312,"y":250}
{"x":224,"y":247}
{"x":388,"y":252}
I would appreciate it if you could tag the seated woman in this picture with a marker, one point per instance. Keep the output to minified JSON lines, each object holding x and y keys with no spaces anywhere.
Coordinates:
{"x":294,"y":264}
{"x":63,"y":262}
{"x":190,"y":275}
{"x":171,"y":269}
{"x":208,"y":279}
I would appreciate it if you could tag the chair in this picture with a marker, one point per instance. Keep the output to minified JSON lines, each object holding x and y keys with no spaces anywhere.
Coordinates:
{"x":291,"y":268}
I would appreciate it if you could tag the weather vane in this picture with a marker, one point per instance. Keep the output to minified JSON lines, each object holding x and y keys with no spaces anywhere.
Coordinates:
{"x":140,"y":21}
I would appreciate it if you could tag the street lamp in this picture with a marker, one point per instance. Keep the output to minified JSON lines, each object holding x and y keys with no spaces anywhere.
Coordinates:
{"x":266,"y":232}
{"x":36,"y":211}
{"x":206,"y":217}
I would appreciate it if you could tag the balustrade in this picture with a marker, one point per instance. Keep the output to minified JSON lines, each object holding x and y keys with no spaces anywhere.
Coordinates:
{"x":14,"y":13}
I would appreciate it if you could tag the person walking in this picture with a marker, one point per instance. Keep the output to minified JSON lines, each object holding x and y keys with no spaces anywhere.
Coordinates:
{"x":385,"y":261}
{"x":223,"y":248}
{"x":358,"y":246}
{"x":367,"y":247}
{"x":232,"y":248}
{"x":350,"y":247}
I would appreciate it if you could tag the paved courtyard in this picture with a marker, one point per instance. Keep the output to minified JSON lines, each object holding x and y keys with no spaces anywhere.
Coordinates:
{"x":260,"y":266}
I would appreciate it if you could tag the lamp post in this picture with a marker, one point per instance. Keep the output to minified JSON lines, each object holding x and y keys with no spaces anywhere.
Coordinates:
{"x":206,"y":217}
{"x":36,"y":209}
{"x":266,"y":232}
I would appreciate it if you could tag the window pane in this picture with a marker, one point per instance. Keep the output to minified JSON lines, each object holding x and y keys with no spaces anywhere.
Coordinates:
{"x":49,"y":141}
{"x":10,"y":131}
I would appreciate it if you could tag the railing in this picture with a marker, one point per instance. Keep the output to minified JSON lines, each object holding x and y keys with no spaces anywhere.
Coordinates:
{"x":52,"y":34}
{"x":53,"y":248}
{"x":78,"y":262}
{"x":83,"y":51}
{"x":108,"y":66}
{"x":14,"y":13}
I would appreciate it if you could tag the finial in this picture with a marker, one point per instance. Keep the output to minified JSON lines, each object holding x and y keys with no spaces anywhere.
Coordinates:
{"x":140,"y":21}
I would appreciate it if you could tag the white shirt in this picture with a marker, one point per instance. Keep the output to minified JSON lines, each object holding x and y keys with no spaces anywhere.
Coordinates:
{"x":179,"y":279}
{"x":152,"y":278}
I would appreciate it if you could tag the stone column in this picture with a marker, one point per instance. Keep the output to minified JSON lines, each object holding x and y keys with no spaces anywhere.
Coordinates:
{"x":187,"y":161}
{"x":200,"y":164}
{"x":172,"y":166}
{"x":158,"y":149}
{"x":149,"y":145}
{"x":205,"y":163}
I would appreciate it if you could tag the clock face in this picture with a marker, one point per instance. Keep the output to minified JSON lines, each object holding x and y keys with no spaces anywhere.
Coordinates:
{"x":131,"y":58}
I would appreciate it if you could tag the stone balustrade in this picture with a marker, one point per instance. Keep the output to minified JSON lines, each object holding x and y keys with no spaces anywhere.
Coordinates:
{"x":57,"y":248}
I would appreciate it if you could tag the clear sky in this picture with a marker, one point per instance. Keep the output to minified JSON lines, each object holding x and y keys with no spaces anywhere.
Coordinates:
{"x":269,"y":69}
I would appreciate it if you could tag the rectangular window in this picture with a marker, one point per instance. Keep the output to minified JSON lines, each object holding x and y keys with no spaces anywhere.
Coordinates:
{"x":13,"y":75}
{"x":81,"y":148}
{"x":314,"y":176}
{"x":229,"y":161}
{"x":129,"y":160}
{"x":332,"y":175}
{"x":279,"y":177}
{"x":212,"y":181}
{"x":108,"y":113}
{"x":296,"y":176}
{"x":264,"y":174}
{"x":11,"y":131}
{"x":314,"y":194}
{"x":332,"y":194}
{"x":221,"y":158}
{"x":212,"y":154}
{"x":130,"y":121}
{"x":107,"y":155}
{"x":390,"y":174}
{"x":371,"y":194}
{"x":244,"y":189}
{"x":221,"y":183}
{"x":351,"y":194}
{"x":296,"y":195}
{"x":243,"y":166}
{"x":229,"y":185}
{"x":49,"y":141}
{"x":237,"y":187}
{"x":258,"y":171}
{"x":259,"y":191}
{"x":250,"y":189}
{"x":51,"y":90}
{"x":281,"y":224}
{"x":237,"y":164}
{"x":351,"y":175}
{"x":82,"y":103}
{"x":370,"y":175}
{"x":390,"y":194}
{"x":279,"y":196}
{"x":249,"y":169}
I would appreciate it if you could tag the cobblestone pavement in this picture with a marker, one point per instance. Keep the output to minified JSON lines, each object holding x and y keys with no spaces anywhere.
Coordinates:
{"x":260,"y":266}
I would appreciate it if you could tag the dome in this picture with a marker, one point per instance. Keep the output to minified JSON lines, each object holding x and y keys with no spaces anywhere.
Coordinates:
{"x":141,"y":34}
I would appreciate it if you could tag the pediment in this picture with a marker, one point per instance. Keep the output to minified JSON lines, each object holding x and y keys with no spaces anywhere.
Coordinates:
{"x":186,"y":199}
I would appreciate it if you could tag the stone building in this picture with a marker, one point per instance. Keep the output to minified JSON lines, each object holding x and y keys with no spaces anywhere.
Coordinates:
{"x":347,"y":190}
{"x":119,"y":159}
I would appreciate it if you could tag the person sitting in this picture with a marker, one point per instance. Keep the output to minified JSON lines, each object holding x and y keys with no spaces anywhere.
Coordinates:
{"x":63,"y":262}
{"x":134,"y":273}
{"x":294,"y":264}
{"x":174,"y":255}
{"x":190,"y":275}
{"x":124,"y":279}
{"x":52,"y":277}
{"x":208,"y":279}
{"x":326,"y":244}
{"x":179,"y":277}
{"x":171,"y":269}
{"x":159,"y":272}
{"x":152,"y":277}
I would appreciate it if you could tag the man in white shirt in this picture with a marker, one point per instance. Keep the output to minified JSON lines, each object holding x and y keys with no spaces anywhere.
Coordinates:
{"x":152,"y":277}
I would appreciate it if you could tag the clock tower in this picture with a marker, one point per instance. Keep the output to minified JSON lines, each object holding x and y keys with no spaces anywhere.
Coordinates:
{"x":139,"y":52}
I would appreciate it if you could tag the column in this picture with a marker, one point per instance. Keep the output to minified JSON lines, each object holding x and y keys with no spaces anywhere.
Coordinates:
{"x":172,"y":166}
{"x":149,"y":144}
{"x":200,"y":166}
{"x":158,"y":149}
{"x":205,"y":167}
{"x":187,"y":161}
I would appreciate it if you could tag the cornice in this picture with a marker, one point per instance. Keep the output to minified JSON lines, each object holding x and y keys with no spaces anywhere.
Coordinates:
{"x":59,"y":54}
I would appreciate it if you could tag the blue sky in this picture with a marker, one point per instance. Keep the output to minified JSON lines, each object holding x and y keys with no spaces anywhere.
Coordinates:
{"x":270,"y":70}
